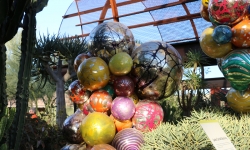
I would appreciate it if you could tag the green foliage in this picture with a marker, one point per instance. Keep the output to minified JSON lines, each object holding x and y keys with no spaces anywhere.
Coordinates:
{"x":5,"y":124}
{"x":3,"y":146}
{"x":191,"y":92}
{"x":188,"y":134}
{"x":46,"y":94}
{"x":12,"y":64}
{"x":172,"y":112}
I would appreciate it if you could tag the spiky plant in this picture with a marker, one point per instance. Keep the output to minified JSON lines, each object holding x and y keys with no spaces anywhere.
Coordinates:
{"x":53,"y":55}
{"x":191,"y":90}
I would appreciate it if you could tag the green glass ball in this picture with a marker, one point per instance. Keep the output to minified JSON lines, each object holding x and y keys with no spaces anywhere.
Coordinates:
{"x":120,"y":64}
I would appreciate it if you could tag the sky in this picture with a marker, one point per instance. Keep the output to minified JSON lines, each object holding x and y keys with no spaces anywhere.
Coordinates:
{"x":49,"y":21}
{"x":50,"y":18}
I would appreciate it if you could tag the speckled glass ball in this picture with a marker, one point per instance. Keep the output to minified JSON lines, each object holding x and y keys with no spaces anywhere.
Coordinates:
{"x":148,"y":115}
{"x":77,"y":93}
{"x":93,"y":73}
{"x":100,"y":101}
{"x":241,"y":34}
{"x":122,"y":108}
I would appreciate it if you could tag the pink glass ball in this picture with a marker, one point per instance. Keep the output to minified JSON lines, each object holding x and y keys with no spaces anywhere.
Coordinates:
{"x":122,"y":108}
{"x":148,"y":115}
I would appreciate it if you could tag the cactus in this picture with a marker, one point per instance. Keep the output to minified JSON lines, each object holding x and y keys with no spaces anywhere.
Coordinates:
{"x":27,"y":49}
{"x":11,"y":14}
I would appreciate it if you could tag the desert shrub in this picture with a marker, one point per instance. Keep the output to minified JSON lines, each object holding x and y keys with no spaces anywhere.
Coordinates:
{"x":188,"y":134}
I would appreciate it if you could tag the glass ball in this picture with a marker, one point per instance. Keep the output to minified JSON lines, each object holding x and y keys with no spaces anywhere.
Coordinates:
{"x":239,"y":102}
{"x":71,"y":127}
{"x":227,"y":12}
{"x":100,"y":101}
{"x":148,"y":115}
{"x":210,"y":47}
{"x":157,"y":70}
{"x":110,"y":38}
{"x":120,"y":64}
{"x":236,"y":69}
{"x":128,"y":139}
{"x":97,"y":128}
{"x":93,"y":73}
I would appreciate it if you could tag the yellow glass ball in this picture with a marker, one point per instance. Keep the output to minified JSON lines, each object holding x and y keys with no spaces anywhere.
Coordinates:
{"x":239,"y":102}
{"x":93,"y":73}
{"x":205,"y":3}
{"x":97,"y":128}
{"x":210,"y":47}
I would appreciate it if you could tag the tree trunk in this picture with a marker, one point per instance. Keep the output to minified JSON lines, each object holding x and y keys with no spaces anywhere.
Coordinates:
{"x":60,"y":103}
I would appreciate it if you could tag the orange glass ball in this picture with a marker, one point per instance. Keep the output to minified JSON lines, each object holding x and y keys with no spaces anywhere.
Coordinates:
{"x":210,"y":47}
{"x":97,"y":128}
{"x":121,"y":124}
{"x":93,"y":73}
{"x":241,"y":34}
{"x":204,"y":13}
{"x":77,"y":93}
{"x":237,"y":101}
{"x":100,"y":101}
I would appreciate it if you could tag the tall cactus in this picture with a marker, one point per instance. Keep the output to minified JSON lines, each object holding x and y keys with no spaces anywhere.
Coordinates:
{"x":27,"y":49}
{"x":11,"y":15}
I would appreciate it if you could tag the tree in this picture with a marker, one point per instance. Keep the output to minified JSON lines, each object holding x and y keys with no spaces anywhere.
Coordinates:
{"x":54,"y":62}
{"x":12,"y":64}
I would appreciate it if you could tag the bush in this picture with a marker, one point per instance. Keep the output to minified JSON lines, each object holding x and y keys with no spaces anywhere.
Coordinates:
{"x":188,"y":134}
{"x":39,"y":135}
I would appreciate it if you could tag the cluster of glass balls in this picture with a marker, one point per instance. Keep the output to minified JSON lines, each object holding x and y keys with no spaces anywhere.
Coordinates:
{"x":119,"y":87}
{"x":228,"y":40}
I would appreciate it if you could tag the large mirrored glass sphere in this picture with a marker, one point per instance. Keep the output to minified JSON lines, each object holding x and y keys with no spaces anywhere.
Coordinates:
{"x":157,"y":70}
{"x":110,"y":38}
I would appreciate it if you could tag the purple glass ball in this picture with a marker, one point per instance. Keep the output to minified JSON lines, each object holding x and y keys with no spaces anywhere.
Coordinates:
{"x":128,"y":139}
{"x":122,"y":108}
